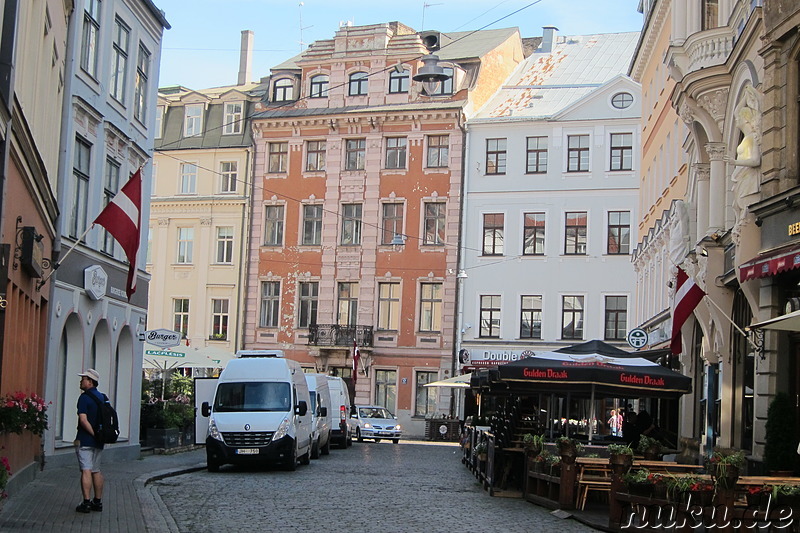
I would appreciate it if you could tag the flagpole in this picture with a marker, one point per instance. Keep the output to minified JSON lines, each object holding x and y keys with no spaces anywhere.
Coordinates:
{"x":740,"y":330}
{"x":61,"y":259}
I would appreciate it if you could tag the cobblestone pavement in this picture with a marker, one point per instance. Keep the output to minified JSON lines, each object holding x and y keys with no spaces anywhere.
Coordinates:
{"x":415,"y":487}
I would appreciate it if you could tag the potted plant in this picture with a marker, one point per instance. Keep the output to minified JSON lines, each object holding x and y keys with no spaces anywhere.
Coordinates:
{"x":554,"y":465}
{"x":620,"y":454}
{"x":568,"y":448}
{"x":480,"y":451}
{"x":758,"y":496}
{"x":638,"y":482}
{"x":780,"y":448}
{"x":649,"y":447}
{"x":533,"y":444}
{"x":702,"y":493}
{"x":724,"y":467}
{"x":786,"y":495}
{"x":678,"y":486}
{"x":541,"y":460}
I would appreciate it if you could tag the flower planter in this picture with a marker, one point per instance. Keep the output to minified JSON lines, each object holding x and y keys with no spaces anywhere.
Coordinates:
{"x":725,"y":476}
{"x":652,"y":454}
{"x":757,"y":500}
{"x":788,"y":500}
{"x":704,"y":498}
{"x":163,"y":438}
{"x":660,"y":491}
{"x":641,"y":489}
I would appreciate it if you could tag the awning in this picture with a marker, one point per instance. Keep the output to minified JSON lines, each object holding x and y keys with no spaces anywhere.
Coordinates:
{"x":787,"y":322}
{"x":456,"y":382}
{"x":771,"y":263}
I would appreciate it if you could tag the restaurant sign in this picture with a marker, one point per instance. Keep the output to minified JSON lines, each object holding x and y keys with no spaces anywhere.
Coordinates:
{"x":493,"y":356}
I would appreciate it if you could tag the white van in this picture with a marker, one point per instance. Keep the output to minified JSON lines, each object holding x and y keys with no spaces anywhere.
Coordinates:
{"x":260,"y":413}
{"x":320,"y":416}
{"x":340,"y":412}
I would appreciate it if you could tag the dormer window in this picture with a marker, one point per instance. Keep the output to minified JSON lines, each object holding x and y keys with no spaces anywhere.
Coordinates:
{"x":283,"y":90}
{"x":398,"y":81}
{"x":446,"y":87}
{"x":193,"y":120}
{"x":232,"y":122}
{"x":319,"y":86}
{"x":358,"y":84}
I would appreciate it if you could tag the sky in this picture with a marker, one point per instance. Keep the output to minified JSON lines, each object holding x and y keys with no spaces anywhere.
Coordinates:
{"x":202,"y":48}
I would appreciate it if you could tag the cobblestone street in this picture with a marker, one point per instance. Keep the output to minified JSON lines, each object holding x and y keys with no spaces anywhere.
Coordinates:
{"x":369,"y":487}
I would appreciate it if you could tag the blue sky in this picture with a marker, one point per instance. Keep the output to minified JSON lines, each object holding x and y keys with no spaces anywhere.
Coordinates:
{"x":202,"y":48}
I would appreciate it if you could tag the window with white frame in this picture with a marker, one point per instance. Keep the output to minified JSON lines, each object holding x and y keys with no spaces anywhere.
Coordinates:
{"x":536,"y":153}
{"x":315,"y":156}
{"x":398,"y":81}
{"x":273,"y":225}
{"x":193,"y":120}
{"x":308,"y":301}
{"x":572,"y":317}
{"x":577,"y":153}
{"x":119,"y":60}
{"x":270,"y":304}
{"x":159,"y":122}
{"x":357,"y":84}
{"x":110,"y":188}
{"x":80,"y":187}
{"x":232,"y":122}
{"x":388,"y":306}
{"x":438,"y":150}
{"x":386,"y":388}
{"x":355,"y":154}
{"x":312,"y":225}
{"x":351,"y":224}
{"x":530,"y":323}
{"x":185,"y":245}
{"x":278,"y":157}
{"x":396,"y":152}
{"x":188,"y":178}
{"x":392,"y":222}
{"x":575,"y":233}
{"x":319,"y":86}
{"x":219,"y":319}
{"x":446,"y":87}
{"x":490,"y":316}
{"x":425,"y":397}
{"x":621,"y":151}
{"x":229,"y":176}
{"x":616,"y":318}
{"x":225,"y":244}
{"x":180,"y":316}
{"x":619,"y":233}
{"x":533,"y":234}
{"x":347,"y":303}
{"x":434,"y":223}
{"x":283,"y":90}
{"x":91,"y":30}
{"x":141,"y":86}
{"x":493,"y":229}
{"x":495,"y":156}
{"x":430,"y":307}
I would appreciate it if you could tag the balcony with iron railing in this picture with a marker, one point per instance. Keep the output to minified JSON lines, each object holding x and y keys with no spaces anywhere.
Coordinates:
{"x":336,"y":335}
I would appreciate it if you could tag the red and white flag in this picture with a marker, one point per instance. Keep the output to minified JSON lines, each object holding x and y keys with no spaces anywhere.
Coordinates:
{"x":687,"y":296}
{"x":122,"y":218}
{"x":356,"y":357}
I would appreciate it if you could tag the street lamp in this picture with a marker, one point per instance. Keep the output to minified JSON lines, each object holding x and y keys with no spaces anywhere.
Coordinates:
{"x":431,"y":74}
{"x":398,"y":242}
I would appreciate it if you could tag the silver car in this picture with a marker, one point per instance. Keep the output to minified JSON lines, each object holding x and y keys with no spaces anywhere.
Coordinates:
{"x":375,"y":422}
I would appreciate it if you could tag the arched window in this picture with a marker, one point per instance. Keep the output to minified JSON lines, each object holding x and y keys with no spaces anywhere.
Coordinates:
{"x":398,"y":81}
{"x":358,"y":84}
{"x":283,"y":90}
{"x":319,"y":86}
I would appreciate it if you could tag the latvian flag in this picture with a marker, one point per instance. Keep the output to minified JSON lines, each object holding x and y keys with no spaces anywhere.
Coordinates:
{"x":687,"y":296}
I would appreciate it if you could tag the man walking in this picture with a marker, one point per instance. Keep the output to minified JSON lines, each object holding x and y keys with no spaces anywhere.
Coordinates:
{"x":88,"y":449}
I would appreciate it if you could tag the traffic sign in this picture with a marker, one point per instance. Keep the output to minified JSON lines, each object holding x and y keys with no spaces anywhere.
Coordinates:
{"x":637,"y":338}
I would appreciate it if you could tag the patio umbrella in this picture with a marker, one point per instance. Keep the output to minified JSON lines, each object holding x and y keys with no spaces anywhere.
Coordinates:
{"x":456,"y":382}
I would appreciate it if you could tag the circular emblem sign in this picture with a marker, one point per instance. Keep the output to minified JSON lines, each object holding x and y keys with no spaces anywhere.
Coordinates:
{"x":637,"y":338}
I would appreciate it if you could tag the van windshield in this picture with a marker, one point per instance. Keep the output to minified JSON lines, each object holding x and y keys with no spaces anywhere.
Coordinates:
{"x":233,"y":397}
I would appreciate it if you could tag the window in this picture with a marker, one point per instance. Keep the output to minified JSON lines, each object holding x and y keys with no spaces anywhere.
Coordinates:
{"x":358,"y":84}
{"x":185,"y":243}
{"x":278,"y":157}
{"x":425,"y":402}
{"x":434,"y":223}
{"x":710,"y":17}
{"x":180,"y":315}
{"x":388,"y":306}
{"x":490,"y":316}
{"x":225,"y":244}
{"x":446,"y":87}
{"x":355,"y":151}
{"x":386,"y":388}
{"x":616,"y":318}
{"x":619,"y":232}
{"x":309,"y":295}
{"x":622,"y":100}
{"x":270,"y":304}
{"x":159,"y":122}
{"x":219,"y":319}
{"x":530,"y":323}
{"x":229,"y":171}
{"x":493,"y":233}
{"x":110,"y":188}
{"x":533,"y":238}
{"x":621,"y":151}
{"x":232,"y":123}
{"x":347,"y":304}
{"x":91,"y":29}
{"x":577,"y":153}
{"x":537,"y":155}
{"x":312,"y":224}
{"x":396,"y":152}
{"x":80,"y":184}
{"x":495,"y":156}
{"x":119,"y":60}
{"x":575,"y":234}
{"x":430,"y":307}
{"x":193,"y":120}
{"x":141,"y":87}
{"x":319,"y":86}
{"x":315,"y":155}
{"x":392,"y":222}
{"x":283,"y":90}
{"x":188,"y":178}
{"x":398,"y":81}
{"x":438,"y":146}
{"x":351,"y":224}
{"x":572,"y":317}
{"x":273,"y":225}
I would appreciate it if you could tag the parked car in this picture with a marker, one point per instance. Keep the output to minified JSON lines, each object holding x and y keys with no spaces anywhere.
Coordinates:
{"x":375,"y":422}
{"x":339,"y":409}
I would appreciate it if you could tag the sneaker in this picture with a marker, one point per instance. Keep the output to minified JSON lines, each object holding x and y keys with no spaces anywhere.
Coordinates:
{"x":96,"y":506}
{"x":85,"y":507}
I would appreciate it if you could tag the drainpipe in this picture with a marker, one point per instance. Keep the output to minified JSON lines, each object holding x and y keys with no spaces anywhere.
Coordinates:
{"x":460,"y":264}
{"x":244,"y":262}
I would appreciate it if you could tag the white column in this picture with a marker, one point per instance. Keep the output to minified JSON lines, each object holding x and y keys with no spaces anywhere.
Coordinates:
{"x":701,"y":172}
{"x":716,"y":205}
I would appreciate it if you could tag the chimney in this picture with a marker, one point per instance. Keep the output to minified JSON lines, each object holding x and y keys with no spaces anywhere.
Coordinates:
{"x":246,"y":58}
{"x":548,"y":39}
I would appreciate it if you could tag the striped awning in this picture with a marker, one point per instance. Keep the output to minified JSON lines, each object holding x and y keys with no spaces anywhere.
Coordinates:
{"x":771,"y":264}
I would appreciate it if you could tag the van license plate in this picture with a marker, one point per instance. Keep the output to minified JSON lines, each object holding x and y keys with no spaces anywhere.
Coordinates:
{"x":247,"y":451}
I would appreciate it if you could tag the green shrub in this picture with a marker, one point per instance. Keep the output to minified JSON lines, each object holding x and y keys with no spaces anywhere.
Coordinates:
{"x":780,"y":448}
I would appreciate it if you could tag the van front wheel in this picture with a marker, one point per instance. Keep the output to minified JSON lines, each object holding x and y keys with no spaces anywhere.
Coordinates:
{"x":291,"y":462}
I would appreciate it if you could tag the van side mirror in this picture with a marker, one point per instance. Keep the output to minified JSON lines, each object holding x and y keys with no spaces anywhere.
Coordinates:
{"x":323,"y":411}
{"x":206,"y":409}
{"x":302,"y":408}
